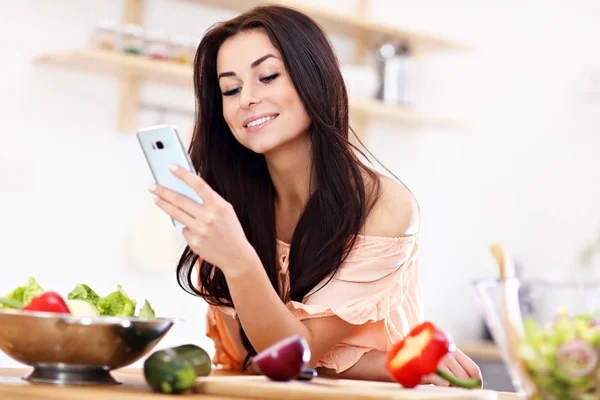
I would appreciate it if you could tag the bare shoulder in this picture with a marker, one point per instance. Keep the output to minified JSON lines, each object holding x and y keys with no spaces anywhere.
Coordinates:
{"x":395,"y":213}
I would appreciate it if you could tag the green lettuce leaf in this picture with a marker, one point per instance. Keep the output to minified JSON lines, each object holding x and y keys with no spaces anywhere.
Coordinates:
{"x":116,"y":304}
{"x":85,"y":293}
{"x":24,"y":294}
{"x":147,"y":311}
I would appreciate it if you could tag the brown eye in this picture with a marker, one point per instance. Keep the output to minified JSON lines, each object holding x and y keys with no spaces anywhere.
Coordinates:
{"x":231,"y":92}
{"x":269,"y":78}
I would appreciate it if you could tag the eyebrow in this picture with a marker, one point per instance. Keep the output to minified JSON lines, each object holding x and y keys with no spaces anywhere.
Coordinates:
{"x":254,"y":64}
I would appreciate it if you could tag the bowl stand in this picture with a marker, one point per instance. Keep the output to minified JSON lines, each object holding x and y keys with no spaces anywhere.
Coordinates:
{"x":69,"y":374}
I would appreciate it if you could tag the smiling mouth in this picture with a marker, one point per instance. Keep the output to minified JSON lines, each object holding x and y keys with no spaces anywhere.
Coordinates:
{"x":260,"y":121}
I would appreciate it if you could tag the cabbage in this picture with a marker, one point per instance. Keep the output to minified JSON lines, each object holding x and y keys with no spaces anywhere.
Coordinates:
{"x":147,"y":311}
{"x":117,"y":304}
{"x":24,"y":294}
{"x":85,"y":293}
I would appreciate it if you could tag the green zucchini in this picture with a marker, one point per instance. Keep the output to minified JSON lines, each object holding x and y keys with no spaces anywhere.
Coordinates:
{"x":174,"y":370}
{"x":197,"y":356}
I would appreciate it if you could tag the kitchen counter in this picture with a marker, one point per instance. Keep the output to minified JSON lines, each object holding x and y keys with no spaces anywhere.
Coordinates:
{"x":12,"y":387}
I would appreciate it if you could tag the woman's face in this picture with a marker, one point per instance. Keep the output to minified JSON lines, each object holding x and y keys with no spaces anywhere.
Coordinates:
{"x":260,"y":104}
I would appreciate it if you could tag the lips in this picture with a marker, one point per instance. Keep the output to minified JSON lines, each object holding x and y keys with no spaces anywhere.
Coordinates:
{"x":260,"y":119}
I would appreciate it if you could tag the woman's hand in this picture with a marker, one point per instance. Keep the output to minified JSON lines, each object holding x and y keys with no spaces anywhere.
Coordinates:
{"x":459,"y":365}
{"x":212,"y":229}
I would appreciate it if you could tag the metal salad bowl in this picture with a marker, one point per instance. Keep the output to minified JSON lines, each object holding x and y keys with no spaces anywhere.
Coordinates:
{"x":69,"y":350}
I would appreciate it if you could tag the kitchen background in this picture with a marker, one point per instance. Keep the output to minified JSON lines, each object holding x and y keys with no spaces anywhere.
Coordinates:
{"x":522,"y":170}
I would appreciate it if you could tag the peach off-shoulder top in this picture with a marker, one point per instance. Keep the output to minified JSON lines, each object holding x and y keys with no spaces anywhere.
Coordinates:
{"x":377,"y":288}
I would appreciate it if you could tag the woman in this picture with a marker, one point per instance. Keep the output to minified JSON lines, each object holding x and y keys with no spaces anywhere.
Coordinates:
{"x":295,"y":234}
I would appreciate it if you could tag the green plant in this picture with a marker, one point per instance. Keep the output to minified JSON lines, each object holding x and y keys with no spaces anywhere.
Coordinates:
{"x":589,"y":252}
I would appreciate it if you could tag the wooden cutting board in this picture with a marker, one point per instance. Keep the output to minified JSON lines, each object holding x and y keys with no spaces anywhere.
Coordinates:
{"x":260,"y":387}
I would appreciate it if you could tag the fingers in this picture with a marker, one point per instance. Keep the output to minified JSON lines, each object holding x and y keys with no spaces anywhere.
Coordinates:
{"x":469,"y":365}
{"x":457,"y":364}
{"x":180,"y":201}
{"x":435,"y":380}
{"x":176,"y":213}
{"x":455,"y":367}
{"x":194,"y":181}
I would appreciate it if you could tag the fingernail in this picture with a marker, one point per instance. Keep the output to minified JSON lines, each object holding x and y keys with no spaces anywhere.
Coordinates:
{"x":173,"y":167}
{"x":152,"y":188}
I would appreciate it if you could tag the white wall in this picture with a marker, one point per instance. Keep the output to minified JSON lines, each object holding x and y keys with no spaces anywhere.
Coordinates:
{"x":72,"y":188}
{"x":525,"y":172}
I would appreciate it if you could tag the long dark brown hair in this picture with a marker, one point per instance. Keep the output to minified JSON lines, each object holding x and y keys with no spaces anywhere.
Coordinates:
{"x":336,"y":210}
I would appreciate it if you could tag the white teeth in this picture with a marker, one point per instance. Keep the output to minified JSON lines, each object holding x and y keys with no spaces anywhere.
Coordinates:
{"x":259,"y":121}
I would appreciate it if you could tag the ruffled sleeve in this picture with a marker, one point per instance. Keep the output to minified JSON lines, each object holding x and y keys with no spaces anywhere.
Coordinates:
{"x":374,"y":281}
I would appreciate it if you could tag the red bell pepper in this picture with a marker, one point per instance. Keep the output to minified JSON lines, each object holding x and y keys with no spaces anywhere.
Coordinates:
{"x":419,"y":354}
{"x":48,"y":302}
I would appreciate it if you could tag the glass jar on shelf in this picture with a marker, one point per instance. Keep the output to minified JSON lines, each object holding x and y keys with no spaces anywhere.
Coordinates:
{"x":156,"y":46}
{"x":182,"y":49}
{"x":105,"y":35}
{"x":132,"y":39}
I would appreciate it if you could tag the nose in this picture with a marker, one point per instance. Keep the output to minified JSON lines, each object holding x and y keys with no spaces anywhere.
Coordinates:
{"x":249,"y":97}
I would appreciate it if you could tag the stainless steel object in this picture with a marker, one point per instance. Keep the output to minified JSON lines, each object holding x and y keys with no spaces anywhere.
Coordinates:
{"x":70,"y":350}
{"x":395,"y":69}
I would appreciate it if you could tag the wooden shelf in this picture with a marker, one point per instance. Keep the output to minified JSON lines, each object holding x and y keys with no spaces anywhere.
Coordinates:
{"x":347,"y":24}
{"x":376,"y":109}
{"x":131,"y":70}
{"x":138,"y":67}
{"x":125,"y":65}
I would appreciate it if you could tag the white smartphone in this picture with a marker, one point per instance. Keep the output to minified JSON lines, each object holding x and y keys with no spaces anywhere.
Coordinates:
{"x":163,"y":147}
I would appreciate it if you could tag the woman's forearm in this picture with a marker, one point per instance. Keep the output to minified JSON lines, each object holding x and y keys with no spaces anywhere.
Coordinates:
{"x":370,"y":367}
{"x":263,"y":315}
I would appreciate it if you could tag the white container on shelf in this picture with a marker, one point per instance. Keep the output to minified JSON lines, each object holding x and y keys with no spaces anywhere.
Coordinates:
{"x":105,"y":35}
{"x":132,"y":39}
{"x":182,"y":49}
{"x":156,"y":45}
